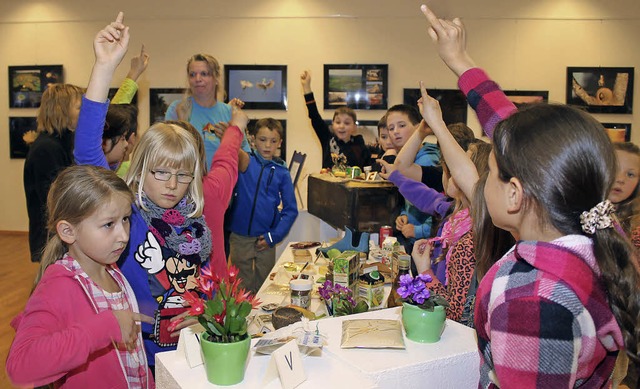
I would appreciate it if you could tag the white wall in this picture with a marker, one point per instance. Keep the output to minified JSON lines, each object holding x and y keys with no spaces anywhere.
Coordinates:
{"x":524,"y":44}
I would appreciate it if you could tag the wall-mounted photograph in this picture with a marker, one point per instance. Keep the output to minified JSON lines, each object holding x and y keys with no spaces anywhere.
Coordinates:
{"x":159,"y":101}
{"x":113,"y":91}
{"x":356,"y":86}
{"x":600,"y":90}
{"x":282,"y":150}
{"x":618,"y":132}
{"x":22,"y":132}
{"x":27,"y":83}
{"x":259,"y":86}
{"x":452,"y":102}
{"x":520,"y":98}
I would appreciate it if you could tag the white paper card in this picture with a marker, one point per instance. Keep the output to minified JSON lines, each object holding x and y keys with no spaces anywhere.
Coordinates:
{"x":189,"y":344}
{"x":289,"y":364}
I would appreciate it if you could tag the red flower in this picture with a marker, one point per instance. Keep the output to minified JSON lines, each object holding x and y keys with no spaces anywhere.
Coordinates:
{"x":233,"y":274}
{"x":174,"y":323}
{"x":195,"y":302}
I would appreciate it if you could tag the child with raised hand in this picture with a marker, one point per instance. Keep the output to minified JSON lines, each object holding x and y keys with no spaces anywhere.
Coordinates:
{"x":257,"y":222}
{"x":343,"y":140}
{"x":555,"y":310}
{"x":80,"y":326}
{"x":169,"y":237}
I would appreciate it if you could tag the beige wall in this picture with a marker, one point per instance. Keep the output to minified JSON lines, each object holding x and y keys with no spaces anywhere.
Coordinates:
{"x":524,"y":44}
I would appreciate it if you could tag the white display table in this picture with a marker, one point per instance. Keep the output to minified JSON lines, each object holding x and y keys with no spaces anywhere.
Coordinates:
{"x":453,"y":362}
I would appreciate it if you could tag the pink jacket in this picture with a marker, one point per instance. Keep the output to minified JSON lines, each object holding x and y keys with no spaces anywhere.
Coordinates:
{"x":60,"y":338}
{"x":217,"y":186}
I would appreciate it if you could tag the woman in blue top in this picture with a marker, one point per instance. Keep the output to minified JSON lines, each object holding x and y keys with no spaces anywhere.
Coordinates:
{"x":201,"y":105}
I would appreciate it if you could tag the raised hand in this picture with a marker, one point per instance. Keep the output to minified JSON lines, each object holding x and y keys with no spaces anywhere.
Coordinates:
{"x":138,"y":64}
{"x":239,"y":118}
{"x":111,"y":43}
{"x":236,"y":102}
{"x":430,"y":109}
{"x":449,"y":35}
{"x":305,"y":80}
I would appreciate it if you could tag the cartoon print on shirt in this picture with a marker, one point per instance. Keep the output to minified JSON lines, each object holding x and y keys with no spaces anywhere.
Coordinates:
{"x":177,"y":274}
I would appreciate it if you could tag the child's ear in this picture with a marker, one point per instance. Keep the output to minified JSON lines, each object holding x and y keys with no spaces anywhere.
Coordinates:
{"x":66,"y":231}
{"x":515,"y":195}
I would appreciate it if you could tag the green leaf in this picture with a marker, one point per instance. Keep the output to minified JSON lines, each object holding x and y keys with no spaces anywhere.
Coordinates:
{"x":232,"y":308}
{"x":439,"y":300}
{"x":360,"y":307}
{"x":245,"y":309}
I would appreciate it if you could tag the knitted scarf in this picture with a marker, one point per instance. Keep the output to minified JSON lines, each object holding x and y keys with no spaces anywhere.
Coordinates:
{"x":187,"y":236}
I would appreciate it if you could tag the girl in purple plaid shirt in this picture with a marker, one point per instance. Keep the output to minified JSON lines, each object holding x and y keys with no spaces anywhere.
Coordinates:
{"x":555,"y":310}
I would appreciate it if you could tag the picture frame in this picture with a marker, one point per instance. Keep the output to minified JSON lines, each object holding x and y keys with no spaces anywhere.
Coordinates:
{"x":618,"y":132}
{"x":521,"y":98}
{"x":159,"y":101}
{"x":22,"y":132}
{"x":251,"y":130}
{"x":601,"y":89}
{"x":356,"y":86}
{"x":259,"y":86}
{"x":27,"y":83}
{"x":453,"y":102}
{"x":113,"y":91}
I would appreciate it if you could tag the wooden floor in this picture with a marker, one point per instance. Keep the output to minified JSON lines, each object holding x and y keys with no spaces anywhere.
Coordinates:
{"x":16,"y":280}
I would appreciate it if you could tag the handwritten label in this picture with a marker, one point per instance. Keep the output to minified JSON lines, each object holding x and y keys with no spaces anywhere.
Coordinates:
{"x":289,"y":365}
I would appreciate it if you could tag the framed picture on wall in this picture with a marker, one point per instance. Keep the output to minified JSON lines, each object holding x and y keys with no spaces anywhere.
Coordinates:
{"x":521,"y":98}
{"x":356,"y":86}
{"x":113,"y":91}
{"x":452,"y":102}
{"x":22,"y":132}
{"x":160,"y":99}
{"x":259,"y":86}
{"x":27,"y":83}
{"x":600,"y":90}
{"x":282,"y":150}
{"x":618,"y":132}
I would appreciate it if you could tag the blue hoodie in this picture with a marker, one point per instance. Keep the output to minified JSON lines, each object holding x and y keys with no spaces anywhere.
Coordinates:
{"x":256,"y":198}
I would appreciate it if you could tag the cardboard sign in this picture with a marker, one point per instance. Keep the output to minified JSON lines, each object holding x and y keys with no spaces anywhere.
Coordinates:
{"x":286,"y":362}
{"x":189,"y":344}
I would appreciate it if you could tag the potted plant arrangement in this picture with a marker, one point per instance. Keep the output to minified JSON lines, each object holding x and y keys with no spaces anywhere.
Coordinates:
{"x":222,"y":311}
{"x":423,"y":312}
{"x":339,"y":300}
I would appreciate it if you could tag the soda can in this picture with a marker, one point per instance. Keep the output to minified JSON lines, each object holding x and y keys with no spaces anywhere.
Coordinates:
{"x":384,"y":232}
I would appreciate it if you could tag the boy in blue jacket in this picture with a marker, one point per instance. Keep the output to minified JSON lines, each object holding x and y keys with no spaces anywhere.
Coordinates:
{"x":257,"y":224}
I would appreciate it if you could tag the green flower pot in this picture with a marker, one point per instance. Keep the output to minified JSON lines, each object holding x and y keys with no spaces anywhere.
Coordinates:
{"x":421,"y":325}
{"x":225,"y":363}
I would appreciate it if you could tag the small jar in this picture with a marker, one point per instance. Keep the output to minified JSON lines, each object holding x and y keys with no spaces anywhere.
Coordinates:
{"x":301,"y":292}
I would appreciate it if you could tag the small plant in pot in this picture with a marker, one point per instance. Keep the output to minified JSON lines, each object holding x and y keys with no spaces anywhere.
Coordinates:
{"x":423,"y":312}
{"x":223,"y":311}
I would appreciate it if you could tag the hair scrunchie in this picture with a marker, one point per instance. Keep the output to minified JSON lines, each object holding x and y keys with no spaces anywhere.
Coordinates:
{"x":598,"y":217}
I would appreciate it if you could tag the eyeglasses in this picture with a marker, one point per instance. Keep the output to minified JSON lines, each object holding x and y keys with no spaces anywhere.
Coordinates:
{"x":161,"y":175}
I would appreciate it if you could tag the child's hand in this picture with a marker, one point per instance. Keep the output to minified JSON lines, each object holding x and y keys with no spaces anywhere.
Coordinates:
{"x":430,"y":109}
{"x":236,"y":102}
{"x":387,"y":168}
{"x":138,"y":64}
{"x":450,"y":38}
{"x":261,"y":244}
{"x":220,"y":128}
{"x":408,"y":230}
{"x":424,"y":129}
{"x":111,"y":43}
{"x":401,"y":221}
{"x":239,"y":118}
{"x":421,"y":255}
{"x":305,"y":80}
{"x":182,"y":322}
{"x":129,"y":327}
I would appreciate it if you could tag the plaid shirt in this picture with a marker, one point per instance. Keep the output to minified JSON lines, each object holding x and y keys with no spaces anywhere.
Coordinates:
{"x":486,"y":98}
{"x":133,"y":362}
{"x":543,"y":319}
